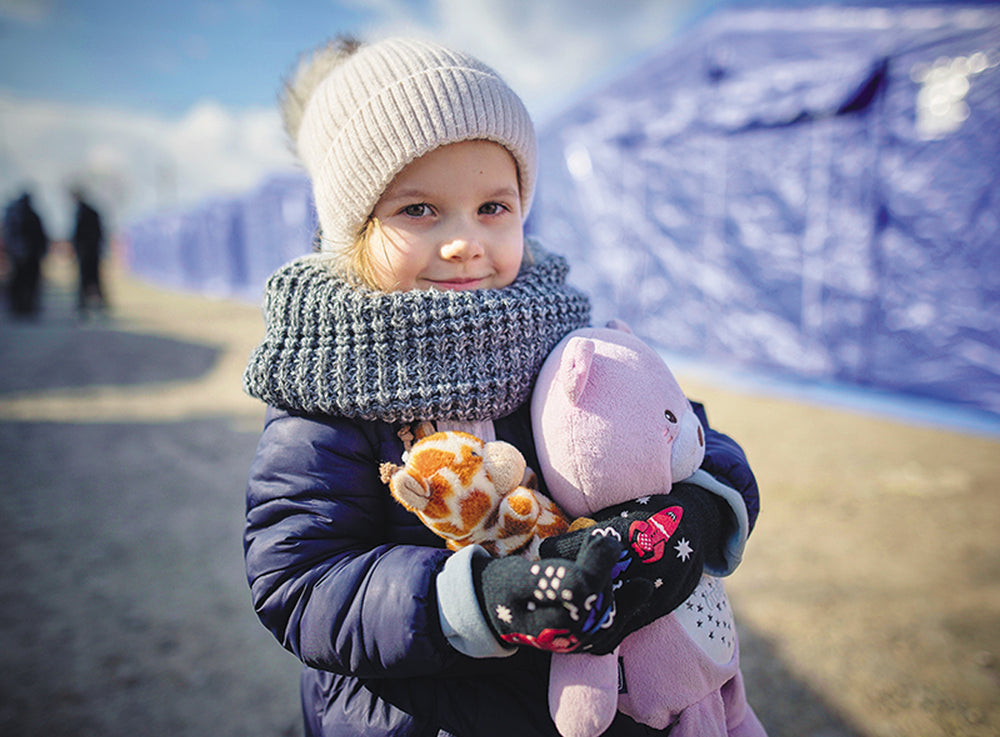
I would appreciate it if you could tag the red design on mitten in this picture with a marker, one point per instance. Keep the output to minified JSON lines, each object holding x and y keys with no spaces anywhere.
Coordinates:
{"x":553,"y":640}
{"x":649,"y":537}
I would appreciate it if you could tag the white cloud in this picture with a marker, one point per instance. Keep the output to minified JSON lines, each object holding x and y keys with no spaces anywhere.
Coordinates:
{"x":546,"y":51}
{"x":27,"y":11}
{"x":134,"y":163}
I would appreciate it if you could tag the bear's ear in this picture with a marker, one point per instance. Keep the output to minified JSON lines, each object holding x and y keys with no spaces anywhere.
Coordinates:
{"x":574,"y":368}
{"x":616,"y":324}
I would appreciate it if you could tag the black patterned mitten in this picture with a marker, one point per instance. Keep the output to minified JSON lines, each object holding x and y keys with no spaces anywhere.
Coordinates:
{"x":556,"y":604}
{"x":667,"y":539}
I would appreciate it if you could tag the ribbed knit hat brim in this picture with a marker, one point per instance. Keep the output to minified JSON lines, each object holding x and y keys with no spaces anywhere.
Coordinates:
{"x":390,"y":103}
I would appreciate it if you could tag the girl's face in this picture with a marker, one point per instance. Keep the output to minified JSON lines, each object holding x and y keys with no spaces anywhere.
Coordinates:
{"x":450,"y":220}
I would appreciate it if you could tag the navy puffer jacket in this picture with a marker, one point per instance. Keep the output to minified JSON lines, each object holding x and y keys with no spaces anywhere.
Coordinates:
{"x":344,"y":577}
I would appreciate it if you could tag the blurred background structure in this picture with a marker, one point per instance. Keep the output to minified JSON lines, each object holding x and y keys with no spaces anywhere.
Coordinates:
{"x":813,"y":191}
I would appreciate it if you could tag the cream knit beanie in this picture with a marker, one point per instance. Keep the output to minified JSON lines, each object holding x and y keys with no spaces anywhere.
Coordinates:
{"x":386,"y":104}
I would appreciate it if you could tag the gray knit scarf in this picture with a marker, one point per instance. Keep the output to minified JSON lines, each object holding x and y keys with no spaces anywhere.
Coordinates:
{"x":333,"y":348}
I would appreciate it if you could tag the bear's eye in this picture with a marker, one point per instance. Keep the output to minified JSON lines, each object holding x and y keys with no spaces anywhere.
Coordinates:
{"x":671,"y":417}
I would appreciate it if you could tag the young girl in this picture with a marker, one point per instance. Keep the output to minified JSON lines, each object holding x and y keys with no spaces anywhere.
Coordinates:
{"x":424,"y":305}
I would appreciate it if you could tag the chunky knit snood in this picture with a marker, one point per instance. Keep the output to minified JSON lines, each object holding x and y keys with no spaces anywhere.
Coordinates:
{"x":334,"y":348}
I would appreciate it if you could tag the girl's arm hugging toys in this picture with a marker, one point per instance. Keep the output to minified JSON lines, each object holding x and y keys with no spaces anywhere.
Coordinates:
{"x":599,"y":442}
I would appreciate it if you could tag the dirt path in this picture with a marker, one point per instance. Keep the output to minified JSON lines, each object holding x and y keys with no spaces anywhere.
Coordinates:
{"x":869,"y":599}
{"x":874,"y":572}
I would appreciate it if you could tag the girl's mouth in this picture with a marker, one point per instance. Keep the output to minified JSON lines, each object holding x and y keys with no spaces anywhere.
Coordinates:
{"x":457,"y":284}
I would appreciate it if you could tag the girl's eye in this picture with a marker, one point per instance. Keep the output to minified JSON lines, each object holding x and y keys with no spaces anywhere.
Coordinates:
{"x":671,"y":417}
{"x":492,"y":208}
{"x":416,"y":211}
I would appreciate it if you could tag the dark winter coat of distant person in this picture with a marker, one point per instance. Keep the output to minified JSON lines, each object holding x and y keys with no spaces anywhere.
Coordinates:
{"x":25,"y":242}
{"x":88,"y":243}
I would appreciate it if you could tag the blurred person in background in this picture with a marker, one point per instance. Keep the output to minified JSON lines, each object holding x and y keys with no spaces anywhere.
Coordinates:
{"x":26,"y":243}
{"x":88,"y":244}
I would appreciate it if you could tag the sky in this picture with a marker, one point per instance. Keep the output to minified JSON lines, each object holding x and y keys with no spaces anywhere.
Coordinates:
{"x":159,"y":105}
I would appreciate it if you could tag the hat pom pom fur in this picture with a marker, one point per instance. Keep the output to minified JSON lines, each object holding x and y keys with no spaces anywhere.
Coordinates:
{"x":311,"y":69}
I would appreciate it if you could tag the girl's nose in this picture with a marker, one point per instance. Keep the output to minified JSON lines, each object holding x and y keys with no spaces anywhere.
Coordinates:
{"x":461,"y":248}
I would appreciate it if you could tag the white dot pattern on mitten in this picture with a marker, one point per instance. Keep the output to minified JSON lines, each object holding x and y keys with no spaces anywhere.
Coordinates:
{"x":549,"y":581}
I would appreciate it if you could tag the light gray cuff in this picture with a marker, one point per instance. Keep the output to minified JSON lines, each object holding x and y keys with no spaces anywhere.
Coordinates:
{"x":462,"y":620}
{"x":733,"y":547}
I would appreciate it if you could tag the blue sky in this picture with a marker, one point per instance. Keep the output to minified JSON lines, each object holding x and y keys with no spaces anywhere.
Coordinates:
{"x":162,"y":56}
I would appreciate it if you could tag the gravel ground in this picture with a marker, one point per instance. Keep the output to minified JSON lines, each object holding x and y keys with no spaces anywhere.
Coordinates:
{"x":868,"y":602}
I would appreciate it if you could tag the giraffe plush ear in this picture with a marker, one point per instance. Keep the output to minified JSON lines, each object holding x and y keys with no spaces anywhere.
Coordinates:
{"x":574,"y":368}
{"x":504,"y":464}
{"x":409,"y":491}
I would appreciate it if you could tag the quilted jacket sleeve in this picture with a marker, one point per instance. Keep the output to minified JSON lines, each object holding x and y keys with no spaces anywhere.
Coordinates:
{"x":726,"y":461}
{"x":325,"y":576}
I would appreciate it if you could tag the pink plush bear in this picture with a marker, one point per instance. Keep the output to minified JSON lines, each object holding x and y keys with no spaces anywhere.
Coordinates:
{"x":612,"y":425}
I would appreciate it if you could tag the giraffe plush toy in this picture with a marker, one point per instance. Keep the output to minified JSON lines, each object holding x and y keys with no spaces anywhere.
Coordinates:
{"x":471,"y":492}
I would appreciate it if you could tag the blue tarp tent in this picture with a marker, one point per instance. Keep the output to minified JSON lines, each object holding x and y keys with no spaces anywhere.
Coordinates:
{"x":279,"y":224}
{"x":809,"y":189}
{"x":226,"y":246}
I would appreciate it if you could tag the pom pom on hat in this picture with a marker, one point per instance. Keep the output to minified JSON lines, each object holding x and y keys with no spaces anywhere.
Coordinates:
{"x":359,"y":115}
{"x":312,"y":70}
